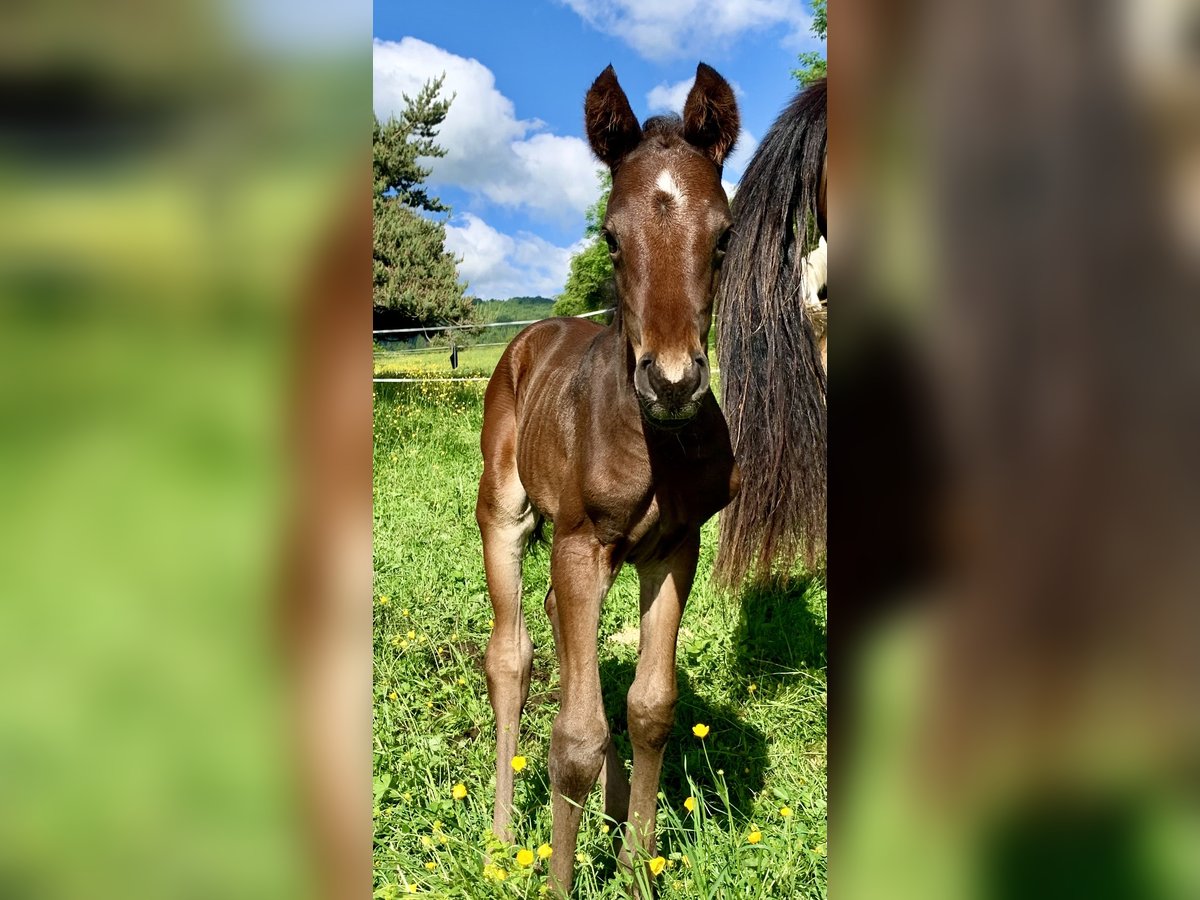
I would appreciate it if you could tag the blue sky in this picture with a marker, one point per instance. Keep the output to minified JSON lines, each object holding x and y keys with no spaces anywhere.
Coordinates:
{"x":518,"y":174}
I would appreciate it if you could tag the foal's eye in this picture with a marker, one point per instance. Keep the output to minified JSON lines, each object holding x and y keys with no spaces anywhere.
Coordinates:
{"x":723,"y":244}
{"x":613,"y":247}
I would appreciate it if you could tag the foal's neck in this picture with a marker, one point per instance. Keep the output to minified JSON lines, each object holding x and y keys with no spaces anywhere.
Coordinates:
{"x":614,"y":362}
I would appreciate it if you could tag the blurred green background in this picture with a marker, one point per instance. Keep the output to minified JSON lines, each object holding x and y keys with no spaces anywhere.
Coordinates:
{"x":166,"y":171}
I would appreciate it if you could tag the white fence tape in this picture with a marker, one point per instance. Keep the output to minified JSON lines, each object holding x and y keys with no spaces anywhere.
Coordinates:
{"x":599,"y":312}
{"x":420,"y":380}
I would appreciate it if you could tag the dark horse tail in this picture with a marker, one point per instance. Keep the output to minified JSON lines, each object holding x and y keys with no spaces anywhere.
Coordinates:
{"x":771,"y":372}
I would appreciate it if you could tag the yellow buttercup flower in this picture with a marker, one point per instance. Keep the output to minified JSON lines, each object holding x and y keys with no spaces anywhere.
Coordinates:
{"x":545,"y":851}
{"x":460,"y":791}
{"x":754,"y":837}
{"x":524,"y":857}
{"x":518,"y":763}
{"x":785,"y":811}
{"x":604,"y":828}
{"x":431,"y":865}
{"x":657,"y":865}
{"x":384,"y":601}
{"x":494,"y":872}
{"x":393,"y":696}
{"x":753,"y":688}
{"x":690,"y":804}
{"x":701,"y":730}
{"x":411,"y":635}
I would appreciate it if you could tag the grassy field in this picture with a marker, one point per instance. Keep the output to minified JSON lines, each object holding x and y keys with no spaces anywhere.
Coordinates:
{"x":435,"y":363}
{"x":751,"y":667}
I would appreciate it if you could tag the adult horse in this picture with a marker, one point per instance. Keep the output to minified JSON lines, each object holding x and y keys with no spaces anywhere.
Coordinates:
{"x":613,"y":434}
{"x":772,"y":373}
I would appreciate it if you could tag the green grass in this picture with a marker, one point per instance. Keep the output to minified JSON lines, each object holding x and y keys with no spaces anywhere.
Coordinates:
{"x":472,"y":362}
{"x":752,"y":667}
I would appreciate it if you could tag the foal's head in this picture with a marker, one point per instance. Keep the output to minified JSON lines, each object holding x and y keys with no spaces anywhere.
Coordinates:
{"x":667,"y":227}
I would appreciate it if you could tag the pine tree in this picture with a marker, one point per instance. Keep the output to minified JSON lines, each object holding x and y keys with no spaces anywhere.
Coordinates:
{"x":415,"y":279}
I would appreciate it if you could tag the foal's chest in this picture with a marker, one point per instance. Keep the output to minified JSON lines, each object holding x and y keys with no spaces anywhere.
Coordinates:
{"x":661,"y":490}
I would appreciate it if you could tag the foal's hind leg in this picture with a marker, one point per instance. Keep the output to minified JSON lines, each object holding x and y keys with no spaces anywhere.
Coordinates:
{"x":506,"y":522}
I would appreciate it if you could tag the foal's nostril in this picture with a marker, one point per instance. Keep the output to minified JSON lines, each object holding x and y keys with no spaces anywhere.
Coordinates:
{"x":700,"y":372}
{"x":643,"y":378}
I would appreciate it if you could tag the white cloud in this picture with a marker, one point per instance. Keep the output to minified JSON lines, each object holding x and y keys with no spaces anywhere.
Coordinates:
{"x":498,"y":266}
{"x":742,"y":151}
{"x":489,"y":151}
{"x":672,"y":29}
{"x":669,"y":97}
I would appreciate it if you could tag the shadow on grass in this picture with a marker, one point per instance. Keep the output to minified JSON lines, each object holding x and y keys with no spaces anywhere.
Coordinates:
{"x":778,"y":633}
{"x":736,"y":747}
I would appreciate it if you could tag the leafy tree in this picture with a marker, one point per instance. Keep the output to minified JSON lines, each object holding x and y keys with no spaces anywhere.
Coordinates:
{"x":415,"y":279}
{"x":590,"y":284}
{"x":812,"y":64}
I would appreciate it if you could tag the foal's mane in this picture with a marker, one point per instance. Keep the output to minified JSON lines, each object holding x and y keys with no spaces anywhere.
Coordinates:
{"x":668,"y":129}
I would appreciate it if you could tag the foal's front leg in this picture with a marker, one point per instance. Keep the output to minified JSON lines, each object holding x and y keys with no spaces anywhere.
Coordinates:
{"x":651,"y":701}
{"x":580,"y":570}
{"x":614,"y":784}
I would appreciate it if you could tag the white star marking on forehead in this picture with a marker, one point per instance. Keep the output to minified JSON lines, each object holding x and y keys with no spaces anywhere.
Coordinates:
{"x":667,"y":184}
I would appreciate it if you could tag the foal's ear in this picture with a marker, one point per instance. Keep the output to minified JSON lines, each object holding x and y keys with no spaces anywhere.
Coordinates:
{"x":710,"y":115}
{"x":612,"y":128}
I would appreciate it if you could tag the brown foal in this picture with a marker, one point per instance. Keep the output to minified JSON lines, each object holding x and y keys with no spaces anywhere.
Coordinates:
{"x":613,"y":434}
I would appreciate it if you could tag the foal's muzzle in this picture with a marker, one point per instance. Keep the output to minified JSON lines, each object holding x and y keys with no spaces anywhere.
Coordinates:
{"x":670,"y":395}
